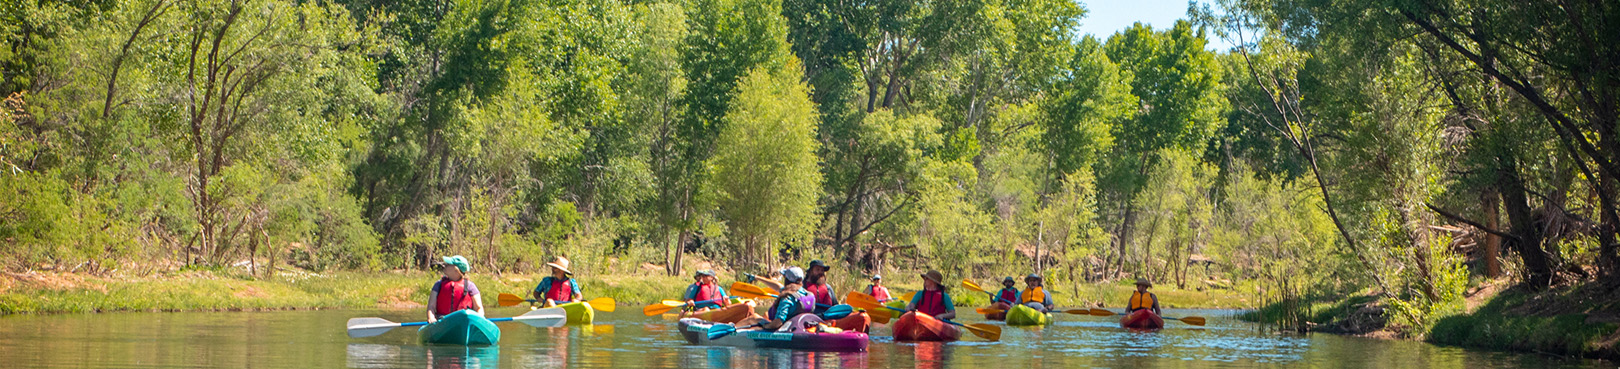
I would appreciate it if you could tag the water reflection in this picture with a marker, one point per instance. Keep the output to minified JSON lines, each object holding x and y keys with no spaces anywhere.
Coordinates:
{"x":363,"y":355}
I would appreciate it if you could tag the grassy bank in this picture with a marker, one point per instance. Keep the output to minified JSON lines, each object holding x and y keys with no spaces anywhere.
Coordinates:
{"x":1569,"y":321}
{"x":225,"y":290}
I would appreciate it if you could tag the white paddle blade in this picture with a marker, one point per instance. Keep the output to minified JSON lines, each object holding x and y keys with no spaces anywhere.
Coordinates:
{"x":368,"y":327}
{"x":543,"y":318}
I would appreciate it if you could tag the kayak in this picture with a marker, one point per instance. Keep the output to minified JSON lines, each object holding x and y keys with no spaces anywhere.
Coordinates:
{"x":897,"y":304}
{"x":696,"y":331}
{"x":858,"y":321}
{"x":1021,"y":315}
{"x":922,"y":327}
{"x":730,"y":314}
{"x":460,"y":328}
{"x":1142,"y":319}
{"x":1003,"y":307}
{"x":579,"y":312}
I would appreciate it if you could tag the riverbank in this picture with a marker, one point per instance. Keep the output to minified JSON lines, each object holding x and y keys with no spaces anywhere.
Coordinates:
{"x":1578,"y":321}
{"x":48,"y":292}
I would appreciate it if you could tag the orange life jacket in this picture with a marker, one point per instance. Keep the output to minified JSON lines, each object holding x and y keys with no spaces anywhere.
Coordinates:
{"x":1142,"y":300}
{"x":1034,"y":294}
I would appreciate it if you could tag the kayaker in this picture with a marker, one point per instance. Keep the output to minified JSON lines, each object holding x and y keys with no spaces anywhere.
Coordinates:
{"x":1035,"y":295}
{"x":560,"y":287}
{"x":702,"y":293}
{"x":791,"y":310}
{"x":933,"y":299}
{"x":453,"y":292}
{"x":1004,"y":299}
{"x":877,"y":290}
{"x":1142,"y":299}
{"x":815,"y":282}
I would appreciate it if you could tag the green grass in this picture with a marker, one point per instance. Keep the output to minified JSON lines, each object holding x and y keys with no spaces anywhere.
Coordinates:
{"x":211,"y":291}
{"x":1492,"y":326}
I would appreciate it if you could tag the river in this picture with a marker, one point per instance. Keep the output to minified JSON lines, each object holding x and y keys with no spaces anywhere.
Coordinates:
{"x":316,"y":339}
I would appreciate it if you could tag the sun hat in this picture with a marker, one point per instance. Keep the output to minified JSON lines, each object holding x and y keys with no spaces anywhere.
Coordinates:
{"x":933,"y":275}
{"x":1143,"y":282}
{"x":561,"y":263}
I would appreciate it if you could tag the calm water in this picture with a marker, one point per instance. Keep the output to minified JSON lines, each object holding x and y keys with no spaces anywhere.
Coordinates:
{"x":310,"y":339}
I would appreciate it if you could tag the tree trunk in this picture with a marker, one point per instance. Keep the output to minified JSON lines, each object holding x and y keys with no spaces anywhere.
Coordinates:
{"x":1491,"y":244}
{"x":1538,"y":270}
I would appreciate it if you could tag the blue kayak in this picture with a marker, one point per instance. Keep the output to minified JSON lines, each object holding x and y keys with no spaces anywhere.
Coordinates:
{"x":460,"y":328}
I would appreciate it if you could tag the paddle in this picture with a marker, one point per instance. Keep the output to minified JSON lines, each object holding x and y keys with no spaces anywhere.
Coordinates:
{"x":1193,"y":320}
{"x":993,"y":298}
{"x":667,"y":305}
{"x":747,"y":290}
{"x":600,"y":303}
{"x":721,"y":330}
{"x":368,"y":327}
{"x":865,"y":301}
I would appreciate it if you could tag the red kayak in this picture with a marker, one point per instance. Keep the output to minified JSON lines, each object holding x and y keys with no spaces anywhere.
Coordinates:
{"x":1142,"y":319}
{"x":922,"y":327}
{"x":857,"y":322}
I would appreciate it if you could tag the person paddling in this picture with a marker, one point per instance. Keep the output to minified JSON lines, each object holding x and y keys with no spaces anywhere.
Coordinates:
{"x":1142,"y":299}
{"x":877,"y":290}
{"x":815,"y":282}
{"x":1004,"y":299}
{"x":791,"y":310}
{"x":453,"y":292}
{"x":560,"y":287}
{"x":704,"y":293}
{"x":1035,"y":295}
{"x":933,"y":299}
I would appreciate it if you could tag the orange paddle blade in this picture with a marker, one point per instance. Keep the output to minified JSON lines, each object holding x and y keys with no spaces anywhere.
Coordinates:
{"x":1194,"y":320}
{"x":508,"y":299}
{"x":1100,"y":312}
{"x":988,"y":311}
{"x":985,"y":331}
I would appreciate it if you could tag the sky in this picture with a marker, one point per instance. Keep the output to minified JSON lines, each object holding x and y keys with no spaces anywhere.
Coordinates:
{"x":1104,"y":17}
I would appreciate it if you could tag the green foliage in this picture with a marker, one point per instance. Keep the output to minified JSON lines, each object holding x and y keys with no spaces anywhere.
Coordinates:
{"x":766,"y":162}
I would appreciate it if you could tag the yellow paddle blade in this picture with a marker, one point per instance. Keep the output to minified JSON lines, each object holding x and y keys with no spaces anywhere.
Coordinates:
{"x":972,"y":286}
{"x":863,"y":301}
{"x":985,"y":331}
{"x":745,"y":289}
{"x":603,"y":303}
{"x":1101,"y":312}
{"x":1194,"y":320}
{"x":508,"y":299}
{"x":987,"y":311}
{"x":909,"y":296}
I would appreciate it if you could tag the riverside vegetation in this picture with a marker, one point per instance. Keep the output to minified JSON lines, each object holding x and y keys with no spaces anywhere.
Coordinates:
{"x":1428,"y":167}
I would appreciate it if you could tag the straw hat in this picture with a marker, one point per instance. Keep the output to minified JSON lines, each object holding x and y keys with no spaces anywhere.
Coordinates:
{"x":561,"y":263}
{"x":933,"y":275}
{"x":1143,"y":282}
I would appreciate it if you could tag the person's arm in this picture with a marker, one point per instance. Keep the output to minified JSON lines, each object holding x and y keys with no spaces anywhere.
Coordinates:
{"x":433,"y":300}
{"x":1048,"y":302}
{"x":1156,"y":310}
{"x":950,"y":308}
{"x":540,"y":289}
{"x":477,"y":297}
{"x":690,"y":295}
{"x":578,"y":295}
{"x":769,"y":283}
{"x":832,"y":297}
{"x":912,"y":306}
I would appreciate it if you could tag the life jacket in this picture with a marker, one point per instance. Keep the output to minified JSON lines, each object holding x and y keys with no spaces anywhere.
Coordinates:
{"x":1142,"y":300}
{"x":791,"y":299}
{"x":706,"y":292}
{"x":1009,"y":295}
{"x":453,"y":296}
{"x":1034,"y":294}
{"x":819,"y":290}
{"x":561,"y":290}
{"x":931,"y":302}
{"x":879,"y":292}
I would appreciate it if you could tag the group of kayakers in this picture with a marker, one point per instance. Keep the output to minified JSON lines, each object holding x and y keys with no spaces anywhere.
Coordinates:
{"x":804,"y":301}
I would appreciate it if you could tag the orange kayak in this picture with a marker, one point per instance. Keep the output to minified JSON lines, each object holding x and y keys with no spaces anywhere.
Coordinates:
{"x":860,"y":321}
{"x":921,"y":327}
{"x":730,"y":314}
{"x":1142,"y":319}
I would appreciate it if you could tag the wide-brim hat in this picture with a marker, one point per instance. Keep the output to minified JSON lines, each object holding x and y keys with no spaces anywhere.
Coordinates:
{"x":1033,"y":276}
{"x":933,"y":275}
{"x":1143,"y":282}
{"x":1009,"y":279}
{"x":561,"y":263}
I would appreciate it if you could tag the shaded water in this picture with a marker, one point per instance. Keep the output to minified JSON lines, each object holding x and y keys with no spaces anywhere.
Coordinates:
{"x":310,"y":339}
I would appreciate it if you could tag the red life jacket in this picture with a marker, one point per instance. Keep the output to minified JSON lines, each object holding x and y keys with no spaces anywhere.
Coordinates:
{"x":560,"y":290}
{"x":453,"y":297}
{"x":1008,"y":295}
{"x":880,"y":292}
{"x":708,"y":292}
{"x":931,"y":302}
{"x":820,"y":292}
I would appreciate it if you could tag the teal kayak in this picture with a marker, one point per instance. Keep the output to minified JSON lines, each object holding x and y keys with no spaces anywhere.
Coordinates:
{"x":460,"y":328}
